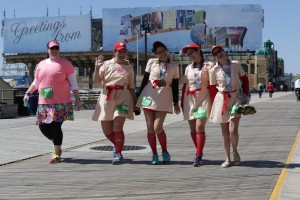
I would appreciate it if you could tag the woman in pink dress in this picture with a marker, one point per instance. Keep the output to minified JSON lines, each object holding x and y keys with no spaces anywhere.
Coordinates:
{"x":226,"y":79}
{"x":54,"y":79}
{"x":158,"y":90}
{"x":195,"y":98}
{"x":116,"y":102}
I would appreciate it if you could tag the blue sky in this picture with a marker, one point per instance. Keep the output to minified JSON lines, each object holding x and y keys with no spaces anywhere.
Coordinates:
{"x":281,"y":24}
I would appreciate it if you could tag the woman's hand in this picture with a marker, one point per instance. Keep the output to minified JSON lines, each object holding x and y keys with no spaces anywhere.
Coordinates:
{"x":78,"y":104}
{"x":136,"y":110}
{"x":99,"y":61}
{"x":26,"y":98}
{"x":177,"y":109}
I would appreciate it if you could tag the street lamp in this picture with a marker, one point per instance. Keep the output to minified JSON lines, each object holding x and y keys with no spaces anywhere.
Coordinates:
{"x":145,"y":30}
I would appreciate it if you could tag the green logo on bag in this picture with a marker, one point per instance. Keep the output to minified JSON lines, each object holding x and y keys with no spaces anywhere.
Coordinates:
{"x":200,"y":113}
{"x":123,"y":109}
{"x":146,"y":101}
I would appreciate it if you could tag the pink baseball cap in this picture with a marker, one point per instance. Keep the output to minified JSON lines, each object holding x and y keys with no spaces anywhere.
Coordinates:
{"x":190,"y":46}
{"x":53,"y":43}
{"x":120,"y":45}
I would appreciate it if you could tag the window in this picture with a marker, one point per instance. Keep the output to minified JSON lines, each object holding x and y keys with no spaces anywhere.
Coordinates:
{"x":81,"y":71}
{"x":252,"y":69}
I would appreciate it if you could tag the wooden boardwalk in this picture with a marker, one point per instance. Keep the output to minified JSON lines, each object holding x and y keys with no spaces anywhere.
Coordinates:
{"x":267,"y":139}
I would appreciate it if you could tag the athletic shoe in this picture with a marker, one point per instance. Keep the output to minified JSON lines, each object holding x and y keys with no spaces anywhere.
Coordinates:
{"x":155,"y":160}
{"x":118,"y":159}
{"x":114,"y":151}
{"x":54,"y":158}
{"x":198,"y":161}
{"x":166,"y":157}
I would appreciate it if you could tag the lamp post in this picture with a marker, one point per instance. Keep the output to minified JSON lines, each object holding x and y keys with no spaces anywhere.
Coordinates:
{"x":145,"y":29}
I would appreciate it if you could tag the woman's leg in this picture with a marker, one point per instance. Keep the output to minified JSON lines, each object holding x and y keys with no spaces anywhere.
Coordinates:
{"x":46,"y":130}
{"x":54,"y":133}
{"x":159,"y":130}
{"x":118,"y":124}
{"x":226,"y":141}
{"x":57,"y":137}
{"x":234,"y":138}
{"x":107,"y":128}
{"x":192,"y":124}
{"x":234,"y":133}
{"x":161,"y":135}
{"x":200,"y":136}
{"x":149,"y":116}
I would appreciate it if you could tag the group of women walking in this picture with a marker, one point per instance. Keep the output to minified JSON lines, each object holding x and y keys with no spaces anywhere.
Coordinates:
{"x":211,"y":91}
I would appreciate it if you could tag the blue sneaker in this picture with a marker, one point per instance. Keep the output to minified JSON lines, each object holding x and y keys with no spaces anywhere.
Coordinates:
{"x":155,"y":160}
{"x":166,"y":157}
{"x":198,"y":161}
{"x":118,"y":159}
{"x":114,"y":151}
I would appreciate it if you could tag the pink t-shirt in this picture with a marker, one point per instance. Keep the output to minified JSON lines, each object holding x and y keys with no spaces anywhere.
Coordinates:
{"x":54,"y":74}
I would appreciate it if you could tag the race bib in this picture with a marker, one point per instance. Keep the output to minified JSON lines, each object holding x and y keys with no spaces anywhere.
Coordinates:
{"x":146,"y":101}
{"x":123,"y":109}
{"x":200,"y":113}
{"x":47,"y":92}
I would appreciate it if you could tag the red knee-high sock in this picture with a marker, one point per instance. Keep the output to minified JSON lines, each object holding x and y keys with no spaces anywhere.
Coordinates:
{"x":111,"y":137}
{"x":152,"y":142}
{"x":162,"y":138}
{"x":119,"y":141}
{"x":193,"y":136}
{"x":200,"y":138}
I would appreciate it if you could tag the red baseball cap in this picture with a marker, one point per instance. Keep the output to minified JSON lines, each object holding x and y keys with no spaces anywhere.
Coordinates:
{"x":216,"y":47}
{"x":120,"y":45}
{"x":53,"y":43}
{"x":190,"y":46}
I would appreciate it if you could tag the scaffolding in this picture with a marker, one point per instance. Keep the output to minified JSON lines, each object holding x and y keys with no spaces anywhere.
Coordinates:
{"x":13,"y":69}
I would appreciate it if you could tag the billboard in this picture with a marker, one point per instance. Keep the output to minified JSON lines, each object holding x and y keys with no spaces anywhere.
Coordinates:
{"x":236,"y":27}
{"x":30,"y":35}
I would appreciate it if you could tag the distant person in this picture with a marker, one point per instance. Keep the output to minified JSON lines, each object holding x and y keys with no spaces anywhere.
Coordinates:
{"x":229,"y":88}
{"x":281,"y":88}
{"x":55,"y":77}
{"x":270,"y":89}
{"x":158,"y":96}
{"x":260,"y":89}
{"x":116,"y":102}
{"x":195,"y":99}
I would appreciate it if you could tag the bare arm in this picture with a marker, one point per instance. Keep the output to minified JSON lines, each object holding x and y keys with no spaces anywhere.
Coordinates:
{"x":31,"y":89}
{"x":98,"y":63}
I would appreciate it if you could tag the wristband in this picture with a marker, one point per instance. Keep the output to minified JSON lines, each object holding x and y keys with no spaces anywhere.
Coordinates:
{"x":28,"y":93}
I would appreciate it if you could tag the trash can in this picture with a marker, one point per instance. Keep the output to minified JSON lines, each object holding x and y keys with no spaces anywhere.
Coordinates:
{"x":22,"y":111}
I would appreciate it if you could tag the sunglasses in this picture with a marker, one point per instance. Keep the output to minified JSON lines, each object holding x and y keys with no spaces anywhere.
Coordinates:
{"x":217,"y":52}
{"x":54,"y":48}
{"x":190,"y":53}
